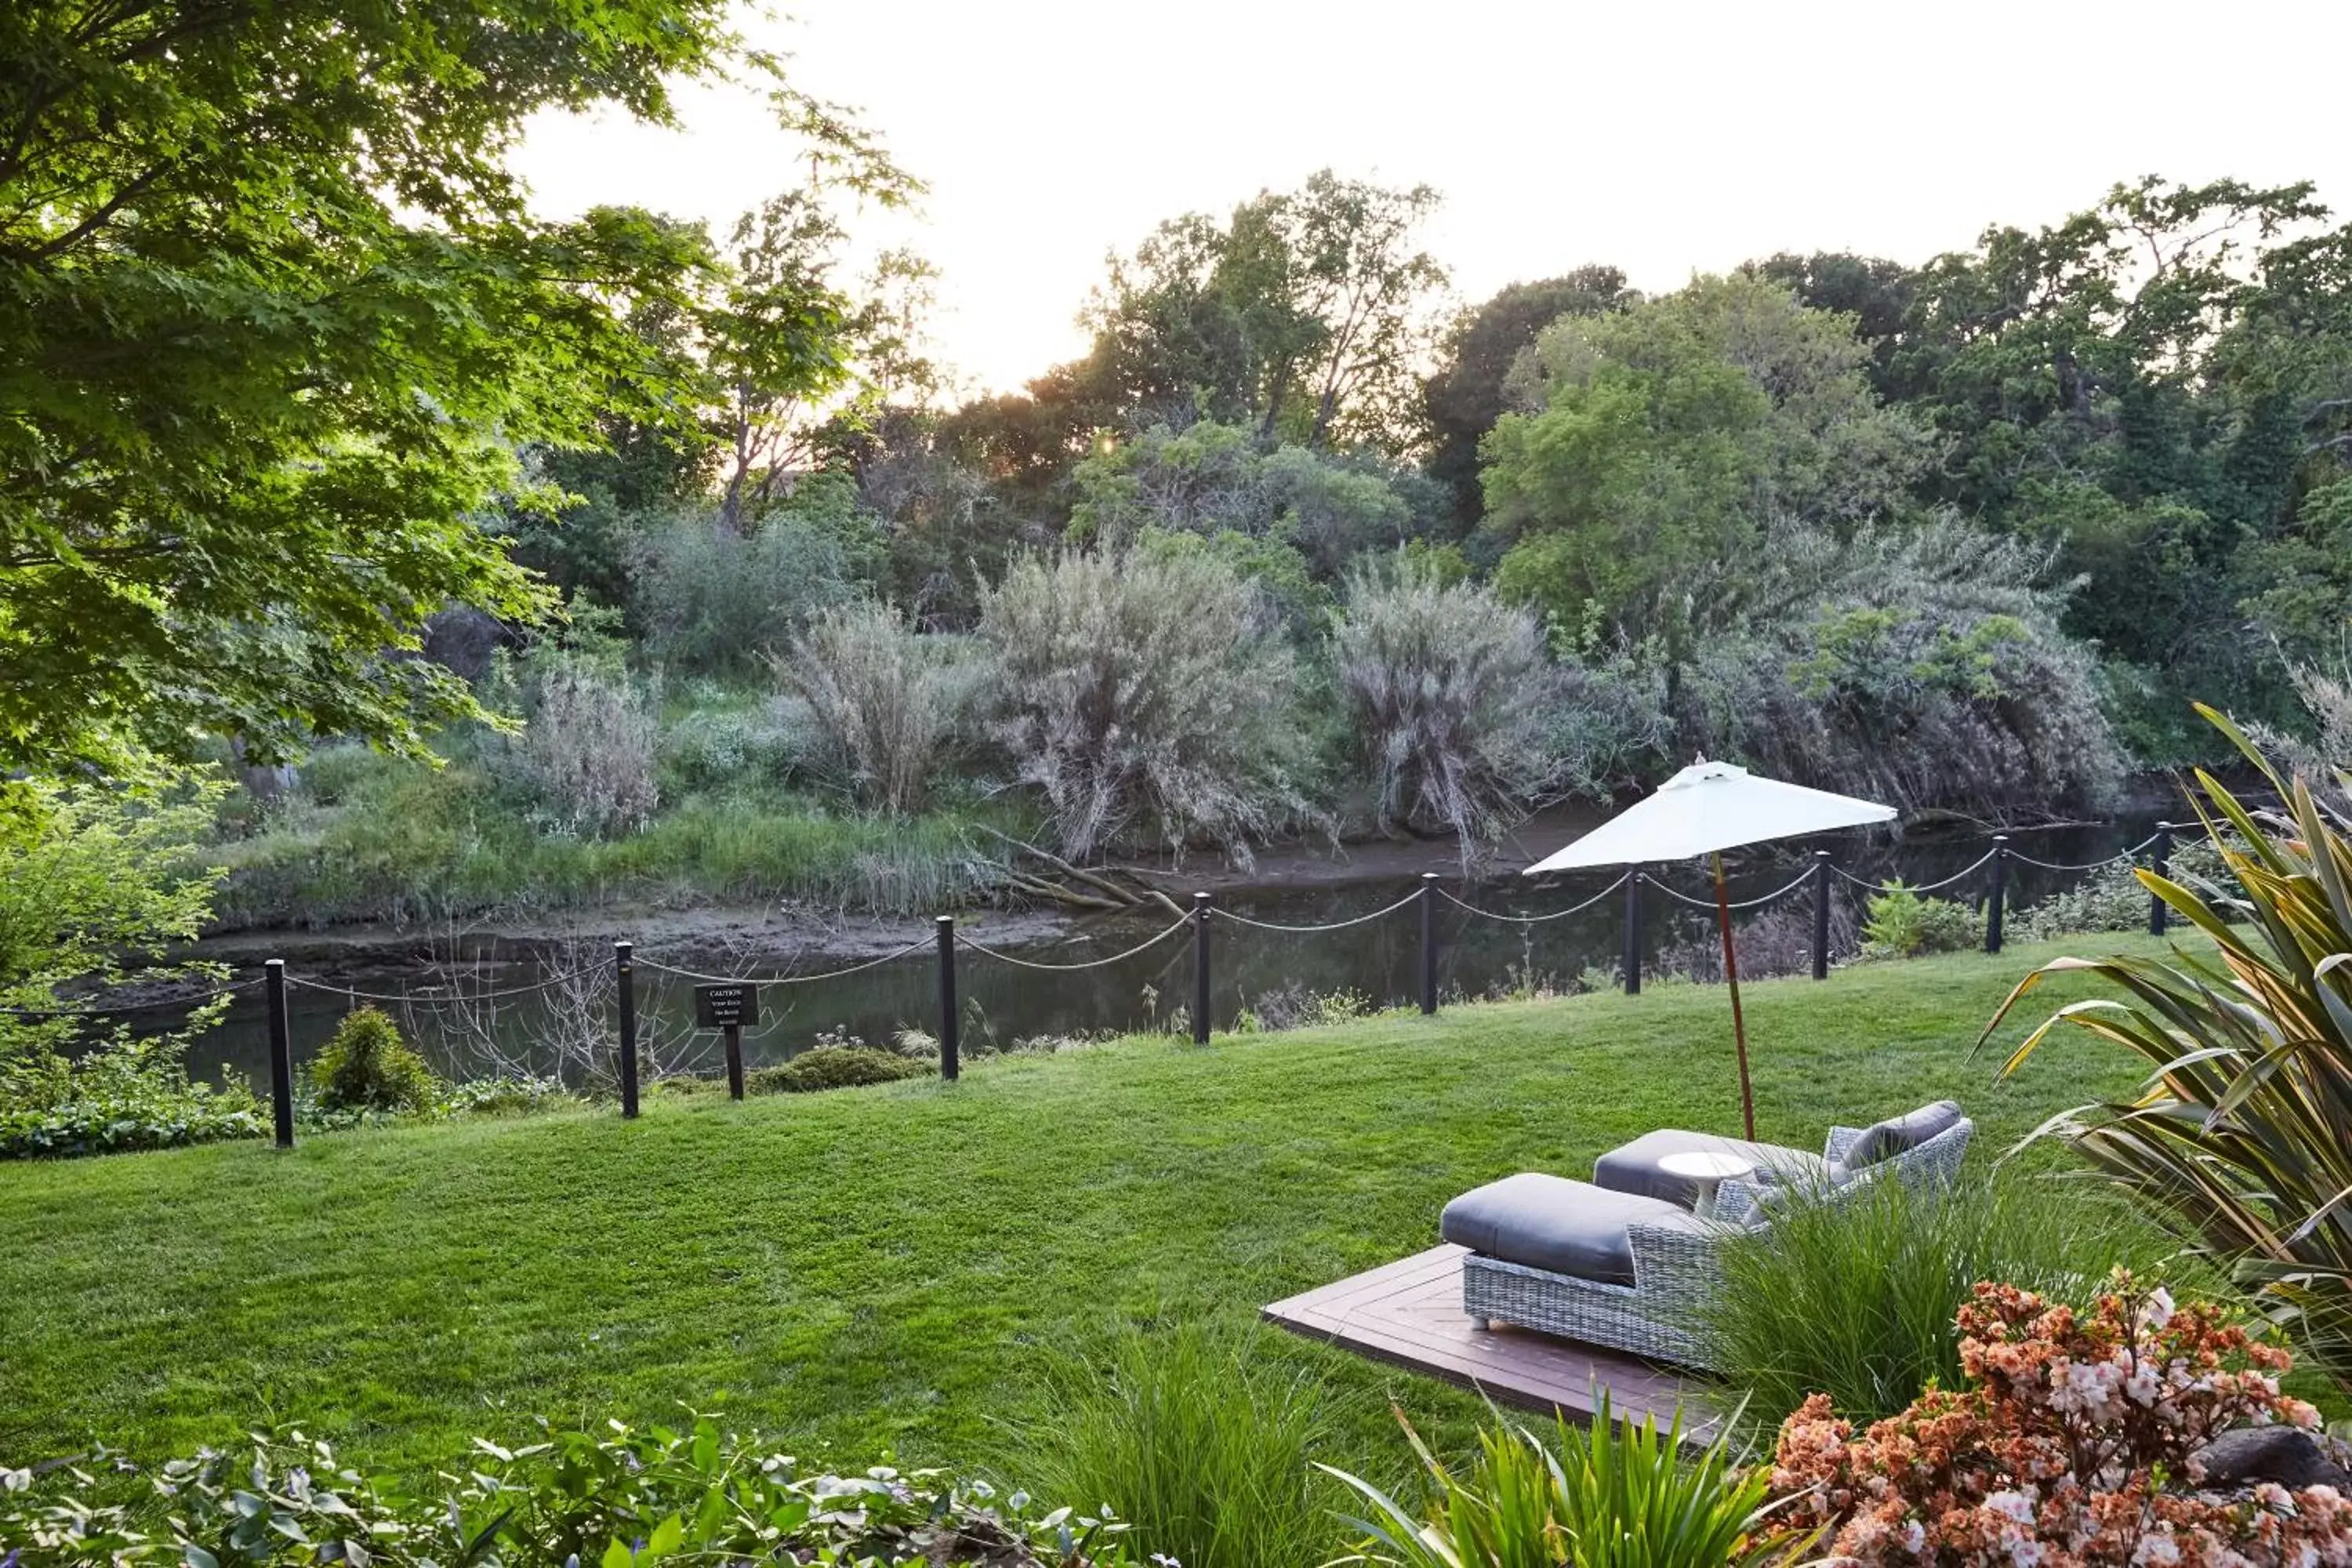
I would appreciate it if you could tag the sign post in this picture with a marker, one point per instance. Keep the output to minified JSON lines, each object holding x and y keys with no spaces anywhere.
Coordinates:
{"x":729,"y":1008}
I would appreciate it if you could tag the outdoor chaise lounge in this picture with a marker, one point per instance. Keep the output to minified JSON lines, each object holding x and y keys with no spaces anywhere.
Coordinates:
{"x":1623,"y":1261}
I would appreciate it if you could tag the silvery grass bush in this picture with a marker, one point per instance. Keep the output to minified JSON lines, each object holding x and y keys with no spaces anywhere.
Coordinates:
{"x":889,"y":703}
{"x":587,"y":750}
{"x":1450,"y":695}
{"x":1144,"y":692}
{"x":1203,"y":1445}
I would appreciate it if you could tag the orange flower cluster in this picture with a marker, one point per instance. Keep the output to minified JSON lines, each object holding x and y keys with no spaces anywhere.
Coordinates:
{"x":2073,"y":1444}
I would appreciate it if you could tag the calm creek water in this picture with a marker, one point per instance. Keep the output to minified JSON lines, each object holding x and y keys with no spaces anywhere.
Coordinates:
{"x":1251,"y":968}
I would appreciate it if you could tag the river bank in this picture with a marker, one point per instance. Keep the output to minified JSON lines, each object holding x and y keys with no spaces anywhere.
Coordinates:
{"x":1309,"y":932}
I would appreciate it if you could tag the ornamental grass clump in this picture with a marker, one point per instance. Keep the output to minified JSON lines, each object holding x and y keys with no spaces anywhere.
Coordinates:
{"x":1200,"y":1442}
{"x":2075,"y":1441}
{"x":1855,"y":1299}
{"x":1610,"y":1494}
{"x":2240,"y":1140}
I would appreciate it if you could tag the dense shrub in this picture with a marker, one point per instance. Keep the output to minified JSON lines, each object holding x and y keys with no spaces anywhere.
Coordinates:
{"x":834,"y":1066}
{"x":1608,"y":725}
{"x":1855,"y":1301}
{"x":714,"y":602}
{"x":1449,"y":694}
{"x":1209,"y":478}
{"x":588,"y":748}
{"x":1610,"y":1494}
{"x":124,"y":1095}
{"x":366,"y":1066}
{"x":97,"y":887}
{"x":613,"y":1495}
{"x":508,"y":1097}
{"x":887,"y":700}
{"x":1201,"y":1443}
{"x":1924,"y":666}
{"x":714,"y":748}
{"x":2073,"y":1439}
{"x":1144,"y":691}
{"x":1902,"y":923}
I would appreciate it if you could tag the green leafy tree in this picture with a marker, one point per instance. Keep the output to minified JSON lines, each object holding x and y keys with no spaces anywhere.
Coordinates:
{"x":273,"y":320}
{"x":2157,"y":385}
{"x":93,"y":882}
{"x":1463,"y":397}
{"x":1668,"y":435}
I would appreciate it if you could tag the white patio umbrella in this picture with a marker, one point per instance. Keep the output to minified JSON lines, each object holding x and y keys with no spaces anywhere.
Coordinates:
{"x":1705,"y":809}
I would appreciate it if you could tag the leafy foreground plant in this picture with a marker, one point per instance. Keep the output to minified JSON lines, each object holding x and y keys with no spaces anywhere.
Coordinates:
{"x":1198,"y":1441}
{"x":2075,"y":1442}
{"x":1609,"y":1495}
{"x":619,"y":1500}
{"x":2241,"y":1137}
{"x":1855,"y":1301}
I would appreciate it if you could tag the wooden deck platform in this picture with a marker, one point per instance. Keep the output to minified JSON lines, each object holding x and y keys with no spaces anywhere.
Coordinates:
{"x":1410,"y":1312}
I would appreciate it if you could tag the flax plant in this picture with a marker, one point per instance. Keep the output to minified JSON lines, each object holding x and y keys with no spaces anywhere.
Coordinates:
{"x":2242,"y":1136}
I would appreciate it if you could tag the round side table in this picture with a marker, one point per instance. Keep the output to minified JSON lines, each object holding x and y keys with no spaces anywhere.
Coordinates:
{"x":1710,"y":1170}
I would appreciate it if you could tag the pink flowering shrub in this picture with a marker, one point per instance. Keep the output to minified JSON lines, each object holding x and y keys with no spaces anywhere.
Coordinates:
{"x":2073,"y":1444}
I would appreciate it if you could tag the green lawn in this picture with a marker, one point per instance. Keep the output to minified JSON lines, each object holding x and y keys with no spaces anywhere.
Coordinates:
{"x":893,"y":1266}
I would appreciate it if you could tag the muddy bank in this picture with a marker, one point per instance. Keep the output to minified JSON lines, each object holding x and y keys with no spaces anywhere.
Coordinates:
{"x":726,"y":937}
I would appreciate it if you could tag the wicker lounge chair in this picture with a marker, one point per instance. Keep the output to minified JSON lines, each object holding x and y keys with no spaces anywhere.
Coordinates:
{"x":1629,"y":1269}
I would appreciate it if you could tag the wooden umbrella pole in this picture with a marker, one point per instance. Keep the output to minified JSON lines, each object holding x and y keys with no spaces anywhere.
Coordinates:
{"x":1731,"y":973}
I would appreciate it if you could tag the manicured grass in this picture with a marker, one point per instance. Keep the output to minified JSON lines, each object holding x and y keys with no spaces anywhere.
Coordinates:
{"x":890,"y":1266}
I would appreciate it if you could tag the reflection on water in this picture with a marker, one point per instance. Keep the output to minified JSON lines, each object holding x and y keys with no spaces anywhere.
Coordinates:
{"x":1377,"y":961}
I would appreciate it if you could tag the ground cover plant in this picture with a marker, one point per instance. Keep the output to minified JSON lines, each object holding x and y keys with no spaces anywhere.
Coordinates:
{"x":692,"y":1490}
{"x":876,"y":1266}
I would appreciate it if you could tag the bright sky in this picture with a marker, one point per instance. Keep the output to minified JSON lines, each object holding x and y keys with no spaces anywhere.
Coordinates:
{"x":1664,"y":139}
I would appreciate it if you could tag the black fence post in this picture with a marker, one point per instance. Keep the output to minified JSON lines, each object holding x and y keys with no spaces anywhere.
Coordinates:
{"x":1821,"y":914}
{"x":624,"y":976}
{"x":2000,"y":892}
{"x":1200,"y":969}
{"x":281,"y":1052}
{"x":951,"y":1023}
{"x":1428,"y":943}
{"x":1633,"y":932}
{"x":734,"y":1037}
{"x":2160,"y":862}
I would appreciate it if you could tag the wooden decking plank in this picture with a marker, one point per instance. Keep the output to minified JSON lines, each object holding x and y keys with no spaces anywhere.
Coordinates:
{"x":1437,"y":1263}
{"x":1408,"y":1313}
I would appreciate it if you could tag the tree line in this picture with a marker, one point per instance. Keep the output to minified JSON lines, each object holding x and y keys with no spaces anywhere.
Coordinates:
{"x":301,"y":390}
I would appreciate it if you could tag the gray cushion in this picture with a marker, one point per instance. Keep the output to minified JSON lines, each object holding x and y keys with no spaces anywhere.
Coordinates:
{"x":1633,"y":1167}
{"x":1901,"y":1134}
{"x":1554,"y":1224}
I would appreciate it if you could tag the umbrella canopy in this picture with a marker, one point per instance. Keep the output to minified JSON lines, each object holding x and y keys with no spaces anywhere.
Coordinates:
{"x":1708,"y":807}
{"x":1705,"y":809}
